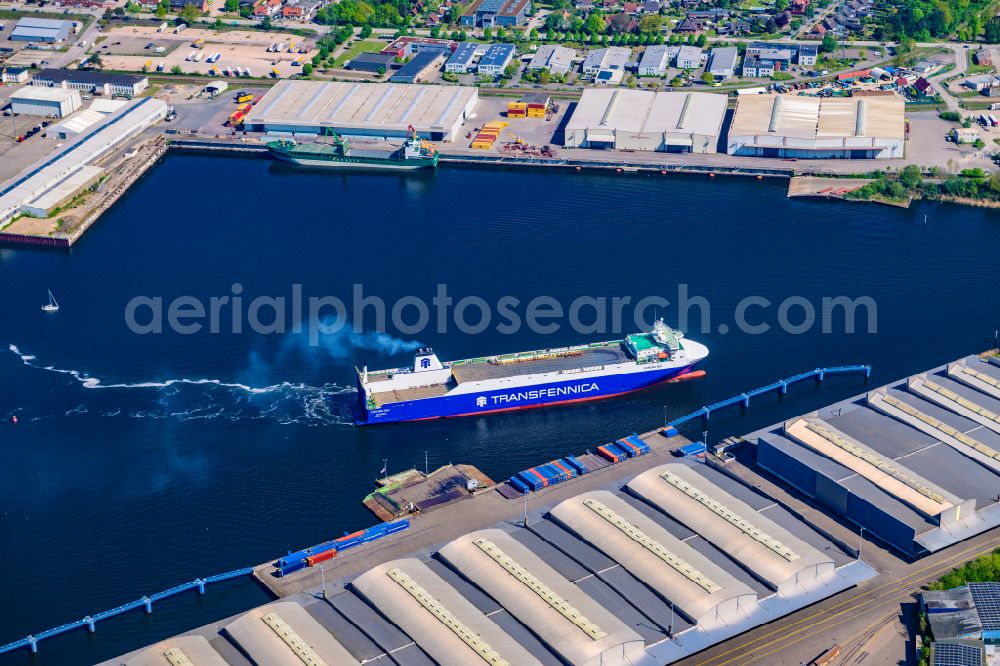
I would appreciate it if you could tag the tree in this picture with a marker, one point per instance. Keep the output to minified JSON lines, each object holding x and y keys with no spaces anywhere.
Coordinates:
{"x":189,"y":13}
{"x":366,"y":32}
{"x":708,"y":77}
{"x":95,"y":61}
{"x":910,"y":176}
{"x":307,"y":69}
{"x":992,"y":32}
{"x":232,"y":6}
{"x":176,"y":69}
{"x":650,"y":23}
{"x":702,"y":40}
{"x":595,"y":24}
{"x":829,"y":43}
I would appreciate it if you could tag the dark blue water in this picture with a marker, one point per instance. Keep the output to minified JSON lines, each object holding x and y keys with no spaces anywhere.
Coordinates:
{"x":109,"y":491}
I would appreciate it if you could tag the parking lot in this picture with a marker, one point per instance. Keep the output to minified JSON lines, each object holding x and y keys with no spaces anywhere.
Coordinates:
{"x":124,"y":48}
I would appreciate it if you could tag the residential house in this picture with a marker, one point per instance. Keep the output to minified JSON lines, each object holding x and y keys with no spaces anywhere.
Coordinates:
{"x":690,"y":25}
{"x":983,"y":57}
{"x":266,"y":7}
{"x":807,"y":55}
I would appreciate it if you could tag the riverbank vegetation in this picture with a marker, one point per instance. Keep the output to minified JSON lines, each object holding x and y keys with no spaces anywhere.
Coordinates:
{"x":970,"y":185}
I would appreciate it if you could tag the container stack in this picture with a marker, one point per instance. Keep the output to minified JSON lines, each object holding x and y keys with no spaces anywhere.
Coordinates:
{"x":526,"y":110}
{"x":308,"y":557}
{"x":548,"y":474}
{"x":488,"y":135}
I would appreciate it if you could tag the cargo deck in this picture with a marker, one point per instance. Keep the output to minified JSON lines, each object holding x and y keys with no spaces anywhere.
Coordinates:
{"x":481,"y":370}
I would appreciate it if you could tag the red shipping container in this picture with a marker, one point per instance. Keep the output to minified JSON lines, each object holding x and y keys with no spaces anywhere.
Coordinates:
{"x":544,"y":479}
{"x":313,"y":560}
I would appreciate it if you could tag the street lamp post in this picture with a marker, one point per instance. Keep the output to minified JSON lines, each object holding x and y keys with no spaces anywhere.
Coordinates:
{"x":322,"y":577}
{"x":861,"y":541}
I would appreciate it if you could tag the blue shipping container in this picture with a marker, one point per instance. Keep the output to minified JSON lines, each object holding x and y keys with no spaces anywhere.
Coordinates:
{"x":575,"y":464}
{"x":566,"y":468}
{"x":620,"y":450}
{"x":693,"y":449}
{"x":392,"y":528}
{"x":530,"y":480}
{"x":643,"y":446}
{"x":553,"y":475}
{"x":349,"y":543}
{"x":292,"y":568}
{"x":519,"y":485}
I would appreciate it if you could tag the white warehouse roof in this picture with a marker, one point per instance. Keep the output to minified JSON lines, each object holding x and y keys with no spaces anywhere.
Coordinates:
{"x":196,"y":649}
{"x":39,"y":94}
{"x":568,"y":620}
{"x":812,"y":118}
{"x":268,"y":633}
{"x":640,"y":111}
{"x":446,"y":625}
{"x":691,"y":581}
{"x":772,"y":552}
{"x":373,"y":106}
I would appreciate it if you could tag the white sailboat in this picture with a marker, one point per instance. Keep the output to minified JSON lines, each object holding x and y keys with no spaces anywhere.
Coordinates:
{"x":52,"y":306}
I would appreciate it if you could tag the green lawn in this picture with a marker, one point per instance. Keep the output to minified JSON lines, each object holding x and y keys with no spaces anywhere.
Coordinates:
{"x":364,"y":46}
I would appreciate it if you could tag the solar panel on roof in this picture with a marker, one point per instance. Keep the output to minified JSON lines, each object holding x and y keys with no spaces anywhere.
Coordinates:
{"x":957,"y":654}
{"x":986,"y":596}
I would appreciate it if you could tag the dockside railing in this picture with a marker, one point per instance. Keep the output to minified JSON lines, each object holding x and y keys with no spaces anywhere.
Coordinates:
{"x":781,"y":385}
{"x":145,"y":602}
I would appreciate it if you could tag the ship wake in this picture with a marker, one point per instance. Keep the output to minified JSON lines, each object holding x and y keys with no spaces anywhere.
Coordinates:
{"x":190,"y":399}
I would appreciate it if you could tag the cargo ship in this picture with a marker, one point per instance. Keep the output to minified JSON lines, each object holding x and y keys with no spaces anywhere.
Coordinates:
{"x":339,"y":154}
{"x":432,"y":389}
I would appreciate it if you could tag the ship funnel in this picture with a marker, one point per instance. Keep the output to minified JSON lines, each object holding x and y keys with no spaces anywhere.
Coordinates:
{"x":425,"y":360}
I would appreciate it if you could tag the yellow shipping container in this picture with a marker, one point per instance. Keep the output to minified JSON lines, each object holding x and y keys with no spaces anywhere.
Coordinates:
{"x":517,"y":106}
{"x":477,"y":145}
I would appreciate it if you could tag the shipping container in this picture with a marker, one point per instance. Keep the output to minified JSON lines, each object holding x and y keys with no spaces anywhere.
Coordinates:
{"x":541,"y":477}
{"x":553,"y":475}
{"x":693,"y":449}
{"x":622,"y":451}
{"x":529,"y":480}
{"x":519,"y":485}
{"x":398,"y":526}
{"x":631,"y":449}
{"x":566,"y":469}
{"x":291,"y":568}
{"x":313,"y":560}
{"x":605,"y":452}
{"x":634,"y":438}
{"x":575,"y":464}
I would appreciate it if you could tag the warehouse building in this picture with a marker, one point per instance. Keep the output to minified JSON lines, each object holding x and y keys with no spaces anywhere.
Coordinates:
{"x":575,"y":626}
{"x":608,"y":578}
{"x":722,"y":64}
{"x":783,"y":560}
{"x":612,"y":59}
{"x":688,"y":57}
{"x":48,"y":31}
{"x":698,"y":587}
{"x":496,"y":59}
{"x":557,"y":59}
{"x":46,"y":102}
{"x":421,"y":67}
{"x":374,"y":63}
{"x":490,"y":13}
{"x":285,"y":634}
{"x":14,"y":75}
{"x":915,"y":463}
{"x":92,"y":82}
{"x":195,"y":649}
{"x":811,"y":127}
{"x":445,"y":624}
{"x":376,"y":110}
{"x":674,"y":122}
{"x":58,"y":178}
{"x":461,"y":60}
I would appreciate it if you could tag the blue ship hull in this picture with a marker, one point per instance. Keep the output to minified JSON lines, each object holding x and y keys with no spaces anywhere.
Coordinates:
{"x":501,"y":400}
